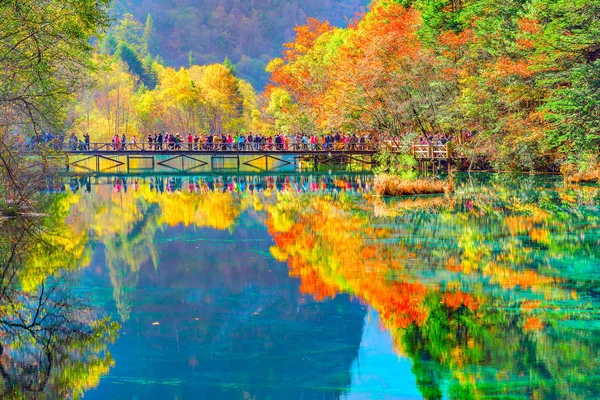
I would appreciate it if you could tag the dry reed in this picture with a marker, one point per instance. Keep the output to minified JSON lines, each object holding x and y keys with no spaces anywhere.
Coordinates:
{"x":572,"y":175}
{"x":585,"y":177}
{"x":391,"y":185}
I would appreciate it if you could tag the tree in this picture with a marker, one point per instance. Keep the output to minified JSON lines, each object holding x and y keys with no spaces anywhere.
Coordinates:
{"x":230,"y":66}
{"x":149,"y":39}
{"x":192,"y":59}
{"x":130,"y":57}
{"x":45,"y":53}
{"x":108,"y":45}
{"x":131,"y":32}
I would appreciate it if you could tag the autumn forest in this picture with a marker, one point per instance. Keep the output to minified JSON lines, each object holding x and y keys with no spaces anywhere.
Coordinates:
{"x":303,"y":199}
{"x":520,"y":79}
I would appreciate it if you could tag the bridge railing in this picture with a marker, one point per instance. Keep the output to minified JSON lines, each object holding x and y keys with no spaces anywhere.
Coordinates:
{"x":216,"y":147}
{"x":420,"y":151}
{"x":432,"y":151}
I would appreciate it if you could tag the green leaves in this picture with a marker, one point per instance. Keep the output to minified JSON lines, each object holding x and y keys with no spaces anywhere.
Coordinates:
{"x":45,"y":53}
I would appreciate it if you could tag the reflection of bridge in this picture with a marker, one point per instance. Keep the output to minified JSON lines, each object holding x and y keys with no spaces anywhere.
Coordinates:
{"x":239,"y":183}
{"x":195,"y":158}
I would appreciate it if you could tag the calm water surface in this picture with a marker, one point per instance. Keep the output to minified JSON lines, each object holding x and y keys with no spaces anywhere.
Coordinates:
{"x":311,"y":287}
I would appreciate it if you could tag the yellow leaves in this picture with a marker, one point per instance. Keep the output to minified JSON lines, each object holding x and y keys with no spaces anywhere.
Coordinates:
{"x":80,"y":378}
{"x":540,"y":236}
{"x":278,"y":254}
{"x":457,"y":356}
{"x":274,"y":65}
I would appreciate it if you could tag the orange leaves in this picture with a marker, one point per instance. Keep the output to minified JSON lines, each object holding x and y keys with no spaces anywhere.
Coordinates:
{"x":306,"y":35}
{"x":328,"y":252}
{"x":529,"y":25}
{"x":505,"y":66}
{"x":404,"y":305}
{"x":455,"y":299}
{"x":533,"y":324}
{"x":455,"y":40}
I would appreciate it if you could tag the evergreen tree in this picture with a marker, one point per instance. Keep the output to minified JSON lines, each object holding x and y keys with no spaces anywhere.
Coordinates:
{"x":130,"y":31}
{"x":150,"y":41}
{"x":150,"y":78}
{"x":108,"y":45}
{"x":130,"y":57}
{"x":230,"y":66}
{"x":192,"y":59}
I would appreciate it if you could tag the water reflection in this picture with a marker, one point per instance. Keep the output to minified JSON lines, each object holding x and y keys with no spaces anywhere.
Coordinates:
{"x":492,"y":291}
{"x":52,"y":342}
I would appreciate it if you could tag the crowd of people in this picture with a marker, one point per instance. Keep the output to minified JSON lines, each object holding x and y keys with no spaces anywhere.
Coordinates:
{"x":241,"y":142}
{"x":165,"y":141}
{"x":436,"y":140}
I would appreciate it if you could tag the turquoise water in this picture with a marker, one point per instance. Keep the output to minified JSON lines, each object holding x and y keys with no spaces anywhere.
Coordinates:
{"x":308,"y":286}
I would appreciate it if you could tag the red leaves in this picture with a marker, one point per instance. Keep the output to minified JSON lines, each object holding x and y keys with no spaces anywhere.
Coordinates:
{"x":456,"y":299}
{"x":505,"y":67}
{"x":455,"y":40}
{"x":306,"y":35}
{"x":529,"y":25}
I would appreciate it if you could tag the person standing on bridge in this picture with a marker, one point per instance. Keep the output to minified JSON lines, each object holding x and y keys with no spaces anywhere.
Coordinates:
{"x":86,"y":140}
{"x":159,"y":141}
{"x":73,"y":142}
{"x":123,"y":142}
{"x":190,"y":141}
{"x":133,"y":142}
{"x":150,"y":140}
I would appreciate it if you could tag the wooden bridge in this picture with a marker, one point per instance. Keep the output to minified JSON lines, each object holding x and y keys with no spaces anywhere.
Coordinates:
{"x":195,"y":158}
{"x":117,"y":158}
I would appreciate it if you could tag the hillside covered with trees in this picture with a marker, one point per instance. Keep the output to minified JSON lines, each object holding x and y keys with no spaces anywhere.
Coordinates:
{"x":249,"y":33}
{"x":520,"y":79}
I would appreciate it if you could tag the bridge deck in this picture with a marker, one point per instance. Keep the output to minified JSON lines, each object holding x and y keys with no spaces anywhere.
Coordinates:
{"x":221,"y":152}
{"x":192,"y":157}
{"x":420,"y":151}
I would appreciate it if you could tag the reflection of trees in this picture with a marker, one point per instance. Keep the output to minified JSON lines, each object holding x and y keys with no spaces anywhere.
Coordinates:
{"x":52,"y":345}
{"x":125,"y":223}
{"x":237,"y":324}
{"x":479,"y":290}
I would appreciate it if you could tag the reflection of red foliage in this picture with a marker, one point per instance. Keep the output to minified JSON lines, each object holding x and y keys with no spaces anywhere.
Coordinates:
{"x":455,"y":299}
{"x":533,"y":324}
{"x":311,"y":283}
{"x":400,"y":302}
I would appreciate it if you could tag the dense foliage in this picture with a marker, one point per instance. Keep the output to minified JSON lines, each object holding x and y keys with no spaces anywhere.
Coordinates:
{"x":46,"y":56}
{"x":520,"y":78}
{"x":250,"y":33}
{"x":193,"y":100}
{"x":45,"y":53}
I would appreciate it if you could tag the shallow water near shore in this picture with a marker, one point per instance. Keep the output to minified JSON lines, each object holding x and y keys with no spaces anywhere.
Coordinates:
{"x":309,"y":286}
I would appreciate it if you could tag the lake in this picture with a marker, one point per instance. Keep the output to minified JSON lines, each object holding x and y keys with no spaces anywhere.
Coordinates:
{"x":305,"y":286}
